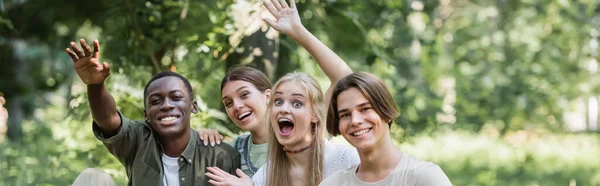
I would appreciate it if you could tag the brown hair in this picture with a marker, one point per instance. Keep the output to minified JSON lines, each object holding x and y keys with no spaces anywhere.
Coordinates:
{"x":278,"y":168}
{"x":247,"y":74}
{"x":373,"y":88}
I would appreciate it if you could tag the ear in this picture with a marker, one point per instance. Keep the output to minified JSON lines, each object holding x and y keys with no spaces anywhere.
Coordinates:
{"x":268,"y":95}
{"x":145,"y":116}
{"x":195,"y":107}
{"x":314,"y":119}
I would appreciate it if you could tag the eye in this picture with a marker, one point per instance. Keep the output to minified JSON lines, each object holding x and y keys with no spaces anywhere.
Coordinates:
{"x":244,"y":95}
{"x":365,"y":109}
{"x":297,"y":104}
{"x":228,"y":103}
{"x":154,"y":102}
{"x":344,"y":115}
{"x":278,"y":102}
{"x":177,"y":97}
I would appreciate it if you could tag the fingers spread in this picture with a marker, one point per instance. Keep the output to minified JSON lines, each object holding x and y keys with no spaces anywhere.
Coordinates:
{"x":270,"y":22}
{"x":284,"y":4}
{"x":86,"y":48}
{"x":96,"y":49}
{"x":76,"y":50}
{"x":276,"y":4}
{"x":270,"y":8}
{"x":72,"y":55}
{"x":106,"y":69}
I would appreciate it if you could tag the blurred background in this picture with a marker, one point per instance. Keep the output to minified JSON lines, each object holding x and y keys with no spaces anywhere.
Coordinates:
{"x":498,"y":92}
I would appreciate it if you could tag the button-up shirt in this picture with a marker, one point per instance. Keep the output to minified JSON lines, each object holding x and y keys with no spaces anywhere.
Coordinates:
{"x":137,"y":148}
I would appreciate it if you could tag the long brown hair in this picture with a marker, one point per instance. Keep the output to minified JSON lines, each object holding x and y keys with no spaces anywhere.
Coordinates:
{"x":373,"y":88}
{"x":247,"y":74}
{"x":278,"y":168}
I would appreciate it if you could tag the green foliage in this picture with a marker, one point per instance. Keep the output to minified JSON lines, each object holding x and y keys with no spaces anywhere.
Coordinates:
{"x":520,"y":158}
{"x":451,"y":65}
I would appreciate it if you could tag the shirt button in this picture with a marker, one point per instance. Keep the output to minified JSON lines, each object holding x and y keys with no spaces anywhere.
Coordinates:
{"x":182,"y":179}
{"x":189,"y":161}
{"x":180,"y":159}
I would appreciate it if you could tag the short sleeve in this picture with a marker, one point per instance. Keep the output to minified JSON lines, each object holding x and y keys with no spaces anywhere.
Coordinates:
{"x":431,"y":175}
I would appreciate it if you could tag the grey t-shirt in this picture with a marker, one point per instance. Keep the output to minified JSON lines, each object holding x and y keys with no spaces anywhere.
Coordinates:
{"x":409,"y":171}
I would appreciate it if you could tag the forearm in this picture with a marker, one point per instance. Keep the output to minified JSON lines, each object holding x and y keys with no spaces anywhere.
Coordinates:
{"x":332,"y":65}
{"x":104,"y":109}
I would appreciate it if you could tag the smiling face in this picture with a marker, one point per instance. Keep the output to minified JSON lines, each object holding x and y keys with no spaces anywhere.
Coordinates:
{"x":359,"y":123}
{"x":169,"y":106}
{"x":245,"y":104}
{"x":291,"y":115}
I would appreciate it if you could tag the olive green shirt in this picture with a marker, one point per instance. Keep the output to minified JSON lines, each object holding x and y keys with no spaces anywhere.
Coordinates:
{"x":137,"y":148}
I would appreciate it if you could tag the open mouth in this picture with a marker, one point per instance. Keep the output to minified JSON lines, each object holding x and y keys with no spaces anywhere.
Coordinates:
{"x":285,"y":126}
{"x":244,"y":115}
{"x":168,"y":119}
{"x":361,"y":132}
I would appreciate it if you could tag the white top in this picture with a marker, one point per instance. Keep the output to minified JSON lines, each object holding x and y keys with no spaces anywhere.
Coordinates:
{"x":337,"y":157}
{"x":171,"y":169}
{"x":409,"y":171}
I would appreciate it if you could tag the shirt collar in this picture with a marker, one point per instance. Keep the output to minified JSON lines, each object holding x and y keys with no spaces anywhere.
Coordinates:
{"x":190,"y":149}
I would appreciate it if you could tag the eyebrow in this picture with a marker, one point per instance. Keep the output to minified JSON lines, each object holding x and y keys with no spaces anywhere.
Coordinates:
{"x":225,"y":97}
{"x":293,"y":94}
{"x":359,"y":105}
{"x":158,"y":94}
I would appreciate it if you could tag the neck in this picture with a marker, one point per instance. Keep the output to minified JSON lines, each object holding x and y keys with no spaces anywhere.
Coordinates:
{"x":384,"y":157}
{"x":174,"y":146}
{"x":299,"y":159}
{"x":260,"y":135}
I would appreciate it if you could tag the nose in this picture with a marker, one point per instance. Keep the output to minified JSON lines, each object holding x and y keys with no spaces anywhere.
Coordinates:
{"x":167,"y":105}
{"x":357,"y":118}
{"x":237,"y":104}
{"x":284,"y":109}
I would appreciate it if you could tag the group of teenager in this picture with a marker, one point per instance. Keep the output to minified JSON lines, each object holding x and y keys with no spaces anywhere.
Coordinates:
{"x":288,"y":125}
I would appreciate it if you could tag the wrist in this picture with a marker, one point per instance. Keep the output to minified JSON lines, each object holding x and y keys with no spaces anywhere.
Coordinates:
{"x":96,"y":86}
{"x":298,"y":32}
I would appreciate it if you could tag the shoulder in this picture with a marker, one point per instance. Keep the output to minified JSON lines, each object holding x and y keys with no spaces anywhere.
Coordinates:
{"x":222,"y":149}
{"x":426,"y":173}
{"x":260,"y":177}
{"x":239,"y":140}
{"x":128,"y":130}
{"x":344,"y":153}
{"x":338,"y":157}
{"x":339,"y":177}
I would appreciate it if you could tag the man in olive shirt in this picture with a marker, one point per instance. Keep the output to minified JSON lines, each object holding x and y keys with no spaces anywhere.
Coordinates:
{"x":162,"y":149}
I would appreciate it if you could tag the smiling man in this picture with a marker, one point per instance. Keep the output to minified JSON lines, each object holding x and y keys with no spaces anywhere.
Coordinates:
{"x":161,"y":149}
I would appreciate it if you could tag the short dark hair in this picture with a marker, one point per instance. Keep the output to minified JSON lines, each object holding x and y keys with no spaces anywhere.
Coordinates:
{"x":167,"y":74}
{"x":373,"y":88}
{"x":247,"y":74}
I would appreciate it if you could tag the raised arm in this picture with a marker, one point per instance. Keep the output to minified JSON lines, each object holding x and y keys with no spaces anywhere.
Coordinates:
{"x":93,"y":73}
{"x":288,"y":22}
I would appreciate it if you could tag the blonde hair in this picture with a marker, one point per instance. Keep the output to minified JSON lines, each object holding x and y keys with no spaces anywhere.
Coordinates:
{"x":278,"y":168}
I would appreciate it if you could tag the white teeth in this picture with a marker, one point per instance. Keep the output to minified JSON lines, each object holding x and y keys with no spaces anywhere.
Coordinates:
{"x":361,"y":132}
{"x":284,"y":119}
{"x":170,"y":118}
{"x":244,"y":115}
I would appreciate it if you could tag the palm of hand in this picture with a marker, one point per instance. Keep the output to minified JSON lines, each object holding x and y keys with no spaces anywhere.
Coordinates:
{"x":287,"y":20}
{"x":90,"y":70}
